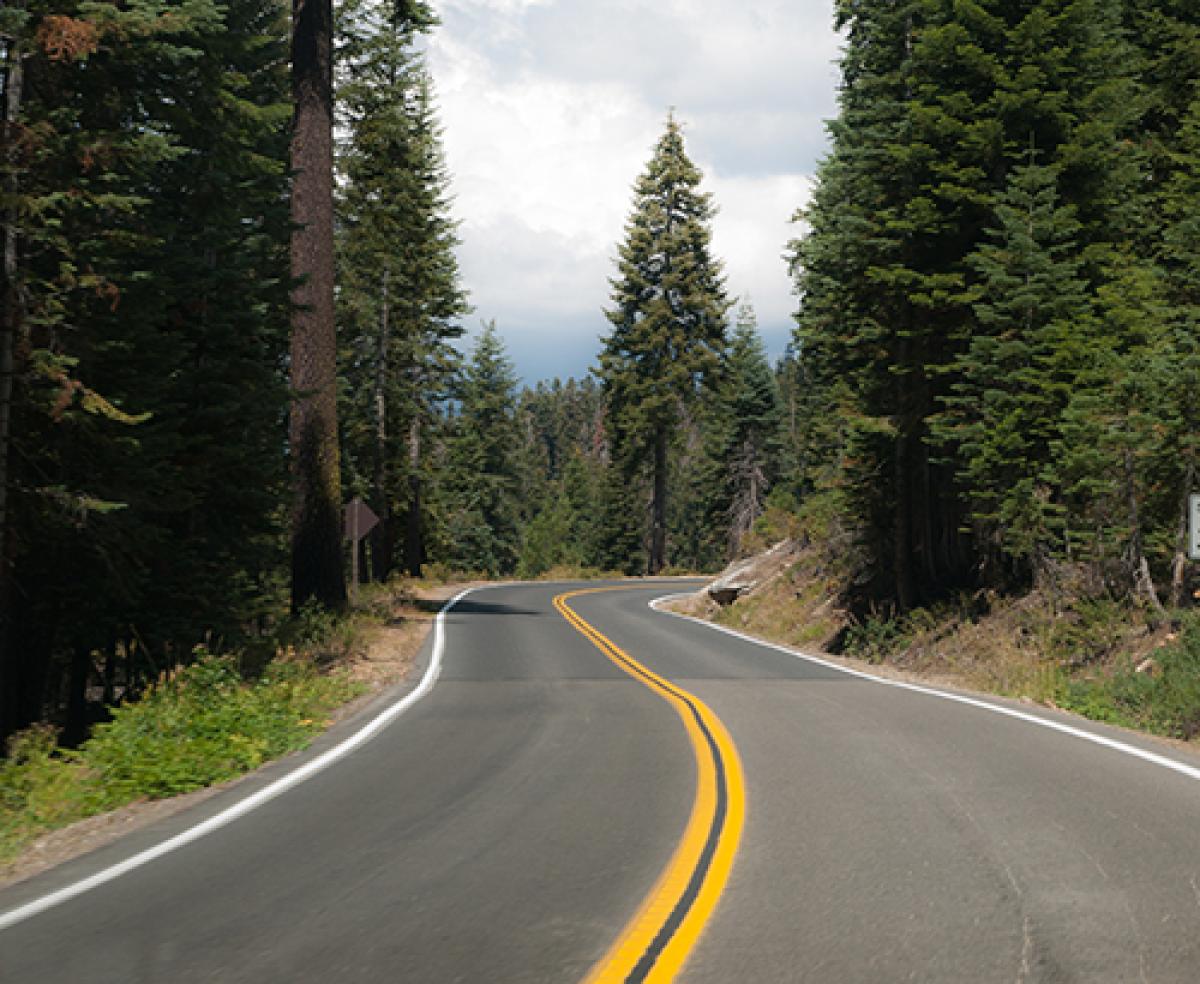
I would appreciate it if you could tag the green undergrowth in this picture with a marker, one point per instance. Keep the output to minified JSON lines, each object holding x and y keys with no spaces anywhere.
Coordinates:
{"x":1096,"y":657}
{"x":1159,"y":693}
{"x":212,"y":720}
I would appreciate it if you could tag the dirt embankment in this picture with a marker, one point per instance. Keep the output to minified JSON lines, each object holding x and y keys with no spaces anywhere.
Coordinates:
{"x":1041,"y":648}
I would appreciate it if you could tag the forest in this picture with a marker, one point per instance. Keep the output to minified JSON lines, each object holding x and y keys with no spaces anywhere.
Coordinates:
{"x":231,"y":303}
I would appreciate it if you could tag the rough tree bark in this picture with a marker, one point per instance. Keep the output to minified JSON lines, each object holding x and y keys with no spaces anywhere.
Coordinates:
{"x":317,"y":568}
{"x":10,"y":326}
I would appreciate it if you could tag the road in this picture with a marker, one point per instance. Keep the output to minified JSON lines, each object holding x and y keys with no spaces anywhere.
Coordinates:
{"x":512,"y":822}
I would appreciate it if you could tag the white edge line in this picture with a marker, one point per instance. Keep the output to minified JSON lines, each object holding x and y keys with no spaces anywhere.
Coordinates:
{"x":255,"y":800}
{"x":1191,"y":771}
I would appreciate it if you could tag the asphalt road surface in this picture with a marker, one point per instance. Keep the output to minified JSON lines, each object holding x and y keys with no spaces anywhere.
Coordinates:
{"x":510,"y":824}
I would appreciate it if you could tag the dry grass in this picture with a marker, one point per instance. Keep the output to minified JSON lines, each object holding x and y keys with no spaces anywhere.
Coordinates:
{"x":1034,"y":647}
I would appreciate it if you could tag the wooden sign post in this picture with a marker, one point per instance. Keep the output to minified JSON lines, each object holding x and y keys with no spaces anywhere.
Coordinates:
{"x":360,"y":520}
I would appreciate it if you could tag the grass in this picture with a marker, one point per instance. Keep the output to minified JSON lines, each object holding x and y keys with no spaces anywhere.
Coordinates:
{"x":1159,"y":694}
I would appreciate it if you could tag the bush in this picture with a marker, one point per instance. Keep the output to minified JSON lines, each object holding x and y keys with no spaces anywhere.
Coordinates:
{"x":203,"y":724}
{"x":199,"y":725}
{"x":876,"y":639}
{"x":41,"y":788}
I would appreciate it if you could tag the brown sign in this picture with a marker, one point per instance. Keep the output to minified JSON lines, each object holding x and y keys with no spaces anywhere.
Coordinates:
{"x":360,"y":520}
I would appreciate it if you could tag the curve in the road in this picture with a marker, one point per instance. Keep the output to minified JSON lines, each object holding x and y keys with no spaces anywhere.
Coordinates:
{"x":655,"y":944}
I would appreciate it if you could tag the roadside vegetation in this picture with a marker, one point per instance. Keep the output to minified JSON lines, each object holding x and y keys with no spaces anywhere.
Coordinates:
{"x":1079,"y":648}
{"x":217,"y":717}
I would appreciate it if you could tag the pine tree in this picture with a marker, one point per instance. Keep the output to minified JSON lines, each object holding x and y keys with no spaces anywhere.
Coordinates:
{"x":938,"y":105}
{"x":1014,"y":378}
{"x":1168,"y":34}
{"x":1112,"y":430}
{"x":400,"y":295}
{"x":483,"y":481}
{"x":750,"y":420}
{"x":149,"y":398}
{"x":668,"y":320}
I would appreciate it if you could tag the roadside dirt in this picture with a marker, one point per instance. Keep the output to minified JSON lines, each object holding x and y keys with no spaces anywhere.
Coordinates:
{"x":386,"y":657}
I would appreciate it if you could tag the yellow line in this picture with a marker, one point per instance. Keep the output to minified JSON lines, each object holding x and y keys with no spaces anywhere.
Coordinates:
{"x":656,"y":909}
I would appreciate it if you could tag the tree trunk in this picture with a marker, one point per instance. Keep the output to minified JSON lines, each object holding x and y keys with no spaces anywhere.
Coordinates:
{"x":381,"y":536}
{"x":11,"y":324}
{"x":658,"y":507}
{"x":414,"y":544}
{"x":11,"y":321}
{"x":76,"y":726}
{"x":317,"y":569}
{"x":902,"y":566}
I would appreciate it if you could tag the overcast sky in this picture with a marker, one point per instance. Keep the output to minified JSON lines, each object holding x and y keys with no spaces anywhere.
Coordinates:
{"x":551,"y":109}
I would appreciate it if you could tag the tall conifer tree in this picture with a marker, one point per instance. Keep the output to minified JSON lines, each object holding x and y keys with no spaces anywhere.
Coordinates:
{"x":483,"y":483}
{"x":317,"y":572}
{"x":668,"y":318}
{"x":749,"y":421}
{"x":938,"y":105}
{"x":400,"y":295}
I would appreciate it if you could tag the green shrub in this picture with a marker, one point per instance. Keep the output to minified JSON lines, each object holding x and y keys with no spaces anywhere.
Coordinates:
{"x":1090,"y":633}
{"x":41,"y":788}
{"x":200,"y":725}
{"x":204,"y":724}
{"x":876,"y":639}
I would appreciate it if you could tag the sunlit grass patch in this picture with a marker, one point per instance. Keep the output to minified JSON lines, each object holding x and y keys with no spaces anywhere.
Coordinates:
{"x":199,"y":725}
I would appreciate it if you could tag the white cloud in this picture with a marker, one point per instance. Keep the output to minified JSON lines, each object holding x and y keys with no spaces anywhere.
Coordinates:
{"x":750,"y":233}
{"x":551,"y":110}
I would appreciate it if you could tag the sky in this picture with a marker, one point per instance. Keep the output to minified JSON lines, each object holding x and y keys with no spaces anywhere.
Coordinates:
{"x":551,"y":109}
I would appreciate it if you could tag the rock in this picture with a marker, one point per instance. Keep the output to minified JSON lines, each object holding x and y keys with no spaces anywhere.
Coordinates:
{"x":744,"y":576}
{"x":727,"y":594}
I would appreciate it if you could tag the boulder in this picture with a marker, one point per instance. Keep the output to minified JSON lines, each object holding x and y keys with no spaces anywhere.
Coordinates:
{"x":744,"y":576}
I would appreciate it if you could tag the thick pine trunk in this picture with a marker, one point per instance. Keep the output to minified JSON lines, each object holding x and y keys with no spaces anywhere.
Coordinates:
{"x":658,"y":507}
{"x":317,"y":570}
{"x":11,"y":319}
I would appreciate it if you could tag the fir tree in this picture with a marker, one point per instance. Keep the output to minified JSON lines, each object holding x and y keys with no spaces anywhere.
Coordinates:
{"x":668,"y":320}
{"x":150,"y":399}
{"x":749,"y":418}
{"x":1015,"y":377}
{"x":483,"y":482}
{"x":938,"y":104}
{"x":400,"y":295}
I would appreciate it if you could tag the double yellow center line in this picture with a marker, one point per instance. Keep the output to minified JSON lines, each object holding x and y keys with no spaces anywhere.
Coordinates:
{"x":655,"y":944}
